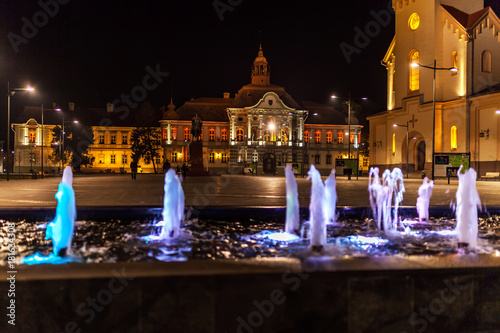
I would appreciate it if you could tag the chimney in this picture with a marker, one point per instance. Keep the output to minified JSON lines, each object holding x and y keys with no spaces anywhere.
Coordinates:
{"x":71,"y":106}
{"x":226,"y":95}
{"x":109,"y":107}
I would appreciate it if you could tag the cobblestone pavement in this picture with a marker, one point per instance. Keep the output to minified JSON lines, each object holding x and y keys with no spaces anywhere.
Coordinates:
{"x":147,"y":190}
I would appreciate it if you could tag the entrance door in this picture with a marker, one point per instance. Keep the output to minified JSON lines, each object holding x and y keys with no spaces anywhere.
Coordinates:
{"x":269,"y":161}
{"x":421,"y":155}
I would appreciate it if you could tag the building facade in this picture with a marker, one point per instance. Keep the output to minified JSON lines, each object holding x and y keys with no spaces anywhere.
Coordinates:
{"x":458,"y":115}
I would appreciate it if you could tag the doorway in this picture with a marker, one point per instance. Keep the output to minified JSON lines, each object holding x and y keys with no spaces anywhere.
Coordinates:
{"x":421,"y":155}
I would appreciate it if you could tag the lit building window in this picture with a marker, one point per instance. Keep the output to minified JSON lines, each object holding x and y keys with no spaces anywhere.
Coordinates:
{"x":101,"y":139}
{"x":113,"y":159}
{"x":158,"y":160}
{"x":164,"y":134}
{"x":340,"y":137}
{"x":306,"y":136}
{"x":454,"y":62}
{"x":200,"y":138}
{"x":414,"y":71}
{"x":317,"y":137}
{"x":267,"y":135}
{"x":394,"y":143}
{"x":173,"y":133}
{"x":173,"y":157}
{"x":328,"y":159}
{"x":211,"y":158}
{"x":211,"y":134}
{"x":486,"y":61}
{"x":32,"y":136}
{"x":329,"y":137}
{"x":284,"y":134}
{"x":351,"y":138}
{"x":223,"y":135}
{"x":239,"y":134}
{"x":124,"y":159}
{"x":124,"y":139}
{"x":113,"y":139}
{"x":453,"y":137}
{"x":224,"y":158}
{"x":187,"y":134}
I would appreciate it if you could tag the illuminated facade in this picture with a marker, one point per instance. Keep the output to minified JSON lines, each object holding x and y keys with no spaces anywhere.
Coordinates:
{"x":262,"y":128}
{"x":461,"y":34}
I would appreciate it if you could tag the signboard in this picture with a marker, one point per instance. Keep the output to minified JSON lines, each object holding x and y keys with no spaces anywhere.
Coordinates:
{"x":447,"y":164}
{"x":346,"y":166}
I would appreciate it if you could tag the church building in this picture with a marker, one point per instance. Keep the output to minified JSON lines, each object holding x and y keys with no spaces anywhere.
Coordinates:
{"x":443,"y":92}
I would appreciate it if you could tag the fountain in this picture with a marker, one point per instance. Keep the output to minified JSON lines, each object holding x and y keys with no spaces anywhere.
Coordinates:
{"x":61,"y":229}
{"x":381,"y":197}
{"x":292,"y":223}
{"x":173,"y":205}
{"x":330,"y":200}
{"x":423,"y":200}
{"x":316,"y":211}
{"x":468,"y":202}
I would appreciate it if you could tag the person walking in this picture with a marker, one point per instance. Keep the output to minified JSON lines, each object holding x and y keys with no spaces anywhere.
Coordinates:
{"x":184,"y":170}
{"x":133,"y":169}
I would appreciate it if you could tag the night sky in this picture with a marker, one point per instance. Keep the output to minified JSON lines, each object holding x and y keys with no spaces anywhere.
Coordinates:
{"x":91,"y":52}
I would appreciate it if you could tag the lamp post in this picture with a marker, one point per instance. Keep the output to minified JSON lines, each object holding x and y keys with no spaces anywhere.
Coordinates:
{"x":434,"y":68}
{"x":407,"y":147}
{"x":58,"y":110}
{"x":10,"y":93}
{"x":63,"y":137}
{"x":349,"y":99}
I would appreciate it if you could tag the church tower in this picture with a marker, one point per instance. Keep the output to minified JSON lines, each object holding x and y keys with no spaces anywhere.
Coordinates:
{"x":260,"y":70}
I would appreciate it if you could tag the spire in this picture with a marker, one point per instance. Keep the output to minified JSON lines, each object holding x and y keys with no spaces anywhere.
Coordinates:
{"x":260,"y":70}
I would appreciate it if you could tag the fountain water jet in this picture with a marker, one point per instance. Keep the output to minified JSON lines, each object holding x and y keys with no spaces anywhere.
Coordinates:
{"x":173,"y":205}
{"x":292,"y":202}
{"x":381,"y":197}
{"x":316,"y":212}
{"x":424,"y":197}
{"x":468,"y":202}
{"x":330,"y":200}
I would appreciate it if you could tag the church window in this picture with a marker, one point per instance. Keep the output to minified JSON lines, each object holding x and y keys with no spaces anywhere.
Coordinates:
{"x":317,"y":137}
{"x":340,"y":136}
{"x":414,"y":70}
{"x":453,"y":137}
{"x":223,"y":134}
{"x":454,"y":63}
{"x":187,"y":134}
{"x":486,"y":61}
{"x":414,"y":21}
{"x":306,"y":136}
{"x":394,"y":143}
{"x":329,"y":137}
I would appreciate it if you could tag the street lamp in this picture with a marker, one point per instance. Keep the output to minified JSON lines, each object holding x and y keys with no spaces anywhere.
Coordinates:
{"x":63,"y":138}
{"x":434,"y":68}
{"x":349,"y":99}
{"x":10,"y":93}
{"x":407,"y":146}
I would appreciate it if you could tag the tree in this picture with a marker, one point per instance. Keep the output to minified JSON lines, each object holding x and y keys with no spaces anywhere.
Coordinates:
{"x":145,"y":143}
{"x":77,"y":140}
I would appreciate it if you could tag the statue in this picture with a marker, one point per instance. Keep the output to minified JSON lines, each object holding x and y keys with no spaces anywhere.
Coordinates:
{"x":196,"y":125}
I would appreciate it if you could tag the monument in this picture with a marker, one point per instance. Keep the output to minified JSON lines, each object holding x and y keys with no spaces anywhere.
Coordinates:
{"x":196,"y":149}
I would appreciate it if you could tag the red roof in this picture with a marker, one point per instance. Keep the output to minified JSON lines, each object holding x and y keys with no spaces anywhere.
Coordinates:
{"x":466,"y":20}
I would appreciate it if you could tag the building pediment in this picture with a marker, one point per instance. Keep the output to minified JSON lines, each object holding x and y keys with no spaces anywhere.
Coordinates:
{"x":270,"y":101}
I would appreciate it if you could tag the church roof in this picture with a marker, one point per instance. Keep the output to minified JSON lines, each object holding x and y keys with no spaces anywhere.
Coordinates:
{"x":326,"y":115}
{"x":466,"y":20}
{"x":251,"y":94}
{"x":207,"y":108}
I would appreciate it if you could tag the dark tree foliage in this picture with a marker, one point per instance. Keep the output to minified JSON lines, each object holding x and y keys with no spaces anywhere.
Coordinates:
{"x":77,"y":140}
{"x":145,"y":143}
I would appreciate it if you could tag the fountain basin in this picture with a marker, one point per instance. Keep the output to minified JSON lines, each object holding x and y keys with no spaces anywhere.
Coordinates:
{"x":318,"y":293}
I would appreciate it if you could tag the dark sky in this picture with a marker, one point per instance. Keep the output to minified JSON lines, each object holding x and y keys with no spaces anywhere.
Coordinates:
{"x":91,"y":52}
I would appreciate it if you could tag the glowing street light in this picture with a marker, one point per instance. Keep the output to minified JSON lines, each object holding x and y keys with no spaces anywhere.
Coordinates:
{"x":10,"y":93}
{"x":434,"y":68}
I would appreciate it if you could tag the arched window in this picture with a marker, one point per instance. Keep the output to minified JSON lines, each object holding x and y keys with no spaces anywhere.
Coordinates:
{"x":453,"y":138}
{"x":394,"y":143}
{"x":187,"y":134}
{"x":306,"y":136}
{"x":340,"y":136}
{"x":284,"y":134}
{"x":317,"y":137}
{"x":486,"y":61}
{"x":267,"y":135}
{"x":329,"y":137}
{"x":32,"y":136}
{"x":239,"y":134}
{"x":414,"y":70}
{"x":454,"y":62}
